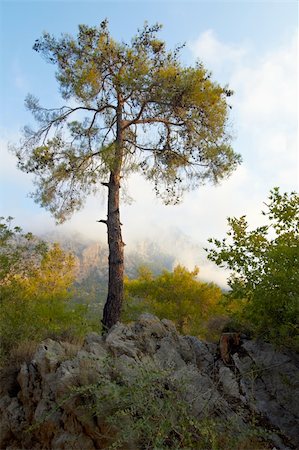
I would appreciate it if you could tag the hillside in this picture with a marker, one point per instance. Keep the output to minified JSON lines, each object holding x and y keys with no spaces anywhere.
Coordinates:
{"x":145,"y":386}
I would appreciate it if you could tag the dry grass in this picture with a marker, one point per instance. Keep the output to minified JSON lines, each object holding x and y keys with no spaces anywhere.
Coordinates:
{"x":22,"y":353}
{"x":10,"y":366}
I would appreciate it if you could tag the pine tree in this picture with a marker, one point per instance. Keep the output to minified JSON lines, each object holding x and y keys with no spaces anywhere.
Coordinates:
{"x":129,"y":108}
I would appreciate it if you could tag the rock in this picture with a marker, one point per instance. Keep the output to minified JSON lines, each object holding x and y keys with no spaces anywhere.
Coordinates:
{"x":186,"y":350}
{"x":204,"y":354}
{"x":48,"y":394}
{"x":270,"y":383}
{"x":168,"y":355}
{"x":120,"y":341}
{"x":200,"y":391}
{"x":229,"y":382}
{"x":150,"y":326}
{"x":48,"y":356}
{"x":66,"y":441}
{"x":170,"y":326}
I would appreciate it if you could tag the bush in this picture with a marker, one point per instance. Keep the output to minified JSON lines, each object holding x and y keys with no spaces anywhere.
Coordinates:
{"x":177,"y":295}
{"x":35,"y":291}
{"x":144,"y":408}
{"x":265,"y":269}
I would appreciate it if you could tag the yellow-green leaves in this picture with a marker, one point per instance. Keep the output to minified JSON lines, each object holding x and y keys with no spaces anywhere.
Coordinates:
{"x":168,"y":121}
{"x":54,"y":276}
{"x":167,"y":73}
{"x":177,"y":295}
{"x":35,"y":291}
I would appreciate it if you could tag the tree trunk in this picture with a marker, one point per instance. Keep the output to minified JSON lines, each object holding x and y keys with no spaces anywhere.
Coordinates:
{"x":112,"y":308}
{"x":113,"y":305}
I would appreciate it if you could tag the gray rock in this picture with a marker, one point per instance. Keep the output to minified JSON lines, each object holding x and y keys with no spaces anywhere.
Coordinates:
{"x":270,"y":384}
{"x":120,"y":341}
{"x":168,"y":355}
{"x":261,"y":382}
{"x":229,"y":382}
{"x":205,"y":354}
{"x":48,"y":356}
{"x":66,"y":441}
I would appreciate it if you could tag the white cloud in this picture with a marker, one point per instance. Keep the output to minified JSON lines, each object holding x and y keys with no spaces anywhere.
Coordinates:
{"x":7,"y":160}
{"x":8,"y":163}
{"x":208,"y":48}
{"x":265,"y":104}
{"x":18,"y":76}
{"x":267,"y":87}
{"x":14,"y":192}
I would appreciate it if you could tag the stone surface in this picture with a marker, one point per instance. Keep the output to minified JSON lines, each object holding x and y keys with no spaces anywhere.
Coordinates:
{"x":40,"y":413}
{"x":229,"y":382}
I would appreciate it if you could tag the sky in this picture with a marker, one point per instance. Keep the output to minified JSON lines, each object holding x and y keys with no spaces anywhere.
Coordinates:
{"x":250,"y":45}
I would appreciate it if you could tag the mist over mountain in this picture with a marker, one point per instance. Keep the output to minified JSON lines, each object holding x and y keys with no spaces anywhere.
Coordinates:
{"x":167,"y":250}
{"x":92,"y":256}
{"x":92,"y":264}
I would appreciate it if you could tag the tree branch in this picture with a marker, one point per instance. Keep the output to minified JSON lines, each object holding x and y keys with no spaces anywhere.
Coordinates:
{"x":156,"y":151}
{"x":156,"y":120}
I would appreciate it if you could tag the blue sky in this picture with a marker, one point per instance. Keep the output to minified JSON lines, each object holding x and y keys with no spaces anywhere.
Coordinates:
{"x":251,"y":45}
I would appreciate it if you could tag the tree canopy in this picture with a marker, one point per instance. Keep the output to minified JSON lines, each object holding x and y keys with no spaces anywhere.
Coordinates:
{"x":265,"y":266}
{"x":129,"y":108}
{"x":177,"y":295}
{"x":20,"y":253}
{"x":35,"y":290}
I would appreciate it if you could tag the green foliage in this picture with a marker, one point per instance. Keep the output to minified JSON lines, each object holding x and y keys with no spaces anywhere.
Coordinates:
{"x":178,"y":296}
{"x":144,"y":407}
{"x":132,"y":107}
{"x":19,"y":252}
{"x":140,"y":410}
{"x":265,"y":267}
{"x":35,"y":291}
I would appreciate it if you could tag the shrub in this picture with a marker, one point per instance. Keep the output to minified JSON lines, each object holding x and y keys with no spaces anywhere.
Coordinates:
{"x":177,"y":295}
{"x":265,"y":269}
{"x":144,"y":408}
{"x":35,"y":290}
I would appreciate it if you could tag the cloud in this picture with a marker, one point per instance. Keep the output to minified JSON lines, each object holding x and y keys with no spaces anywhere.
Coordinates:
{"x":265,"y":107}
{"x":8,"y":167}
{"x":266,"y":87}
{"x":18,"y":76}
{"x":14,"y":192}
{"x":208,"y":48}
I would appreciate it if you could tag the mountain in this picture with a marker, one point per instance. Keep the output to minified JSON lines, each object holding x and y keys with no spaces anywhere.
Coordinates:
{"x":92,"y":256}
{"x":92,"y":263}
{"x":167,"y":251}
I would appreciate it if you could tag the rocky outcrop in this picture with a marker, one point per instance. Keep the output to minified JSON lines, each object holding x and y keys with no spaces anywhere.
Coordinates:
{"x":40,"y":413}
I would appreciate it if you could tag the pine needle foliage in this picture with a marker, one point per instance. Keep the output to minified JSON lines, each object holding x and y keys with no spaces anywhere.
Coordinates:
{"x":174,"y":119}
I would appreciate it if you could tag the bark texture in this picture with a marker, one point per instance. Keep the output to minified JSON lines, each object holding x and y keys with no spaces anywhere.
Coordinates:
{"x":112,"y":308}
{"x":113,"y":305}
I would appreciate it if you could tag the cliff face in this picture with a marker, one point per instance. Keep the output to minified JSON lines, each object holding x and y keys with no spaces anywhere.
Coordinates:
{"x":41,"y":411}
